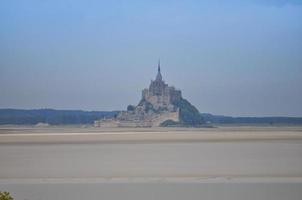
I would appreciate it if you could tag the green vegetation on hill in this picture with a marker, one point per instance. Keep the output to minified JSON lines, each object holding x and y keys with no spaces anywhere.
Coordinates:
{"x":130,"y":108}
{"x":189,"y":115}
{"x":170,"y":123}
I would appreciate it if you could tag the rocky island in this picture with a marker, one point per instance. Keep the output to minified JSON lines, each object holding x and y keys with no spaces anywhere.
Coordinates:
{"x":160,"y":105}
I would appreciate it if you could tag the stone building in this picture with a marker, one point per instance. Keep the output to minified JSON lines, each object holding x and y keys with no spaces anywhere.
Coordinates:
{"x":159,"y":94}
{"x":155,"y":107}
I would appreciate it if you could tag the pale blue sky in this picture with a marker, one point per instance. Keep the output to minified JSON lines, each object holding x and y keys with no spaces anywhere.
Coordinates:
{"x":239,"y":58}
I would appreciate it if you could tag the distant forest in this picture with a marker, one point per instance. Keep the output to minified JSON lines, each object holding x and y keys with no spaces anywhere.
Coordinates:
{"x":65,"y":117}
{"x":51,"y":116}
{"x":220,"y":119}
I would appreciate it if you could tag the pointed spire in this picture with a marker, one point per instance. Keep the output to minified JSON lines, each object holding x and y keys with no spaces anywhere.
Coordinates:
{"x":158,"y":77}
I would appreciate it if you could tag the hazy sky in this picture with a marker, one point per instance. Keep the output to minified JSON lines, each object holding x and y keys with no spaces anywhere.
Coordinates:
{"x":240,"y":58}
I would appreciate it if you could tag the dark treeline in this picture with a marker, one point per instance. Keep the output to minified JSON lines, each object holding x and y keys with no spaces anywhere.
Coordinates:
{"x":220,"y":119}
{"x":61,"y":117}
{"x":51,"y":116}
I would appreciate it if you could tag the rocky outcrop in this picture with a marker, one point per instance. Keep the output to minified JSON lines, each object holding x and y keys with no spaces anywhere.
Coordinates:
{"x":159,"y":103}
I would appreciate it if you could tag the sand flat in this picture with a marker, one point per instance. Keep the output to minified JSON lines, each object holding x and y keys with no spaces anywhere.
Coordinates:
{"x":218,"y":163}
{"x":131,"y":160}
{"x":128,"y":137}
{"x":227,"y":152}
{"x":10,"y":135}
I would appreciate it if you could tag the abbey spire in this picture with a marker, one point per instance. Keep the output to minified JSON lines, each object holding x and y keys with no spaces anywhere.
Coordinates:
{"x":158,"y":76}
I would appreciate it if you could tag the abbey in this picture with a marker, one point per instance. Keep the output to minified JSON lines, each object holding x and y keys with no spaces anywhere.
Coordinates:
{"x":160,"y":95}
{"x":160,"y":103}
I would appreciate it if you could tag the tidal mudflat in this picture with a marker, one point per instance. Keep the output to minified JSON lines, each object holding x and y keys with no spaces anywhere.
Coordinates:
{"x":215,"y":163}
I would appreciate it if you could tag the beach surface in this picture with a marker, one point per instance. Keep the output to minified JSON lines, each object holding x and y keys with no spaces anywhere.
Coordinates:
{"x":160,"y":163}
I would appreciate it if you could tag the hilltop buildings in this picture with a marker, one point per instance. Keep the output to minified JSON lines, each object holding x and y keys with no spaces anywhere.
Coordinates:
{"x":160,"y":103}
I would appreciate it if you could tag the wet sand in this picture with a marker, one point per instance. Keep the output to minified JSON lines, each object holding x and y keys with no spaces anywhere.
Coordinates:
{"x":216,"y":163}
{"x":154,"y":191}
{"x":177,"y":159}
{"x":64,"y":135}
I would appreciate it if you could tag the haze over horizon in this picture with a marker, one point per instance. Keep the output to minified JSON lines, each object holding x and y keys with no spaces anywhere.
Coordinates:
{"x":230,"y":58}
